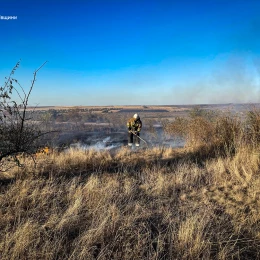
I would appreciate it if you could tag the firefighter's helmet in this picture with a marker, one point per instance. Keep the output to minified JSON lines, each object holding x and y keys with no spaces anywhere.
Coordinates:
{"x":136,"y":116}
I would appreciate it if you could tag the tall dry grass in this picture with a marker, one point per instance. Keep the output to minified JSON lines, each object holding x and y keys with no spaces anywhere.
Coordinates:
{"x":156,"y":203}
{"x":223,"y":134}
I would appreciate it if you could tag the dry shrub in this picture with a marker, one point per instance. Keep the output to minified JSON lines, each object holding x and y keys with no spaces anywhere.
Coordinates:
{"x":220,"y":134}
{"x":177,"y":127}
{"x":199,"y":132}
{"x":228,"y":133}
{"x":252,"y":128}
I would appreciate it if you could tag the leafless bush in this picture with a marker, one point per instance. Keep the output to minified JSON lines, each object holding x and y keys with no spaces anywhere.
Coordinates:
{"x":19,"y":133}
{"x":253,"y":127}
{"x":218,"y":132}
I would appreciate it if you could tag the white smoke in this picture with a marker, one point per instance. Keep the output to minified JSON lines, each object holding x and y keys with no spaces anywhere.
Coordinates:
{"x":104,"y":144}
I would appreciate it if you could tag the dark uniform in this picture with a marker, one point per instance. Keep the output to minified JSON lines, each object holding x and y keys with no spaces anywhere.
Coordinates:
{"x":134,"y":125}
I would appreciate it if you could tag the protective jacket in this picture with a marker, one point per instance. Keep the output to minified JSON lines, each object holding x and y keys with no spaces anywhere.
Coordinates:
{"x":134,"y":125}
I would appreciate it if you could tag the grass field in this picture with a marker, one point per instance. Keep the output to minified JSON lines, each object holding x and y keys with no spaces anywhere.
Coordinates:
{"x":197,"y":202}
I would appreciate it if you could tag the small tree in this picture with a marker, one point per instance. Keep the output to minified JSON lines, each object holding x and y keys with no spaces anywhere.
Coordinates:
{"x":19,"y":133}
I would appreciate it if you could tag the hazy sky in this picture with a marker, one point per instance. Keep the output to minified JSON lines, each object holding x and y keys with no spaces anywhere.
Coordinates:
{"x":116,"y":52}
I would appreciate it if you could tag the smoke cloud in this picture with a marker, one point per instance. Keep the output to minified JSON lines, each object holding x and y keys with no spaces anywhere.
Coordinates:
{"x":235,"y":80}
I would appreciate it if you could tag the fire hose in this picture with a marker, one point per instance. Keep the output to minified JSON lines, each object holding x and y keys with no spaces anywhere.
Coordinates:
{"x":139,"y":137}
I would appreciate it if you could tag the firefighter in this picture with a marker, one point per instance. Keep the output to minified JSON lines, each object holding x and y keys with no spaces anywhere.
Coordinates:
{"x":134,"y":125}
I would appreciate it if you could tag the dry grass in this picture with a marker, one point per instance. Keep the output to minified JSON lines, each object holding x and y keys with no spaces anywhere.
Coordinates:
{"x":157,"y":203}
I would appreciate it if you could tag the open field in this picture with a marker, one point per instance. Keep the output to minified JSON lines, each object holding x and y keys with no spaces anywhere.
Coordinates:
{"x":79,"y":124}
{"x":151,"y":108}
{"x":200,"y":201}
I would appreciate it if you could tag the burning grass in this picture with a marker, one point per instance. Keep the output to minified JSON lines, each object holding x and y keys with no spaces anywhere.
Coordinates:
{"x":158,"y":203}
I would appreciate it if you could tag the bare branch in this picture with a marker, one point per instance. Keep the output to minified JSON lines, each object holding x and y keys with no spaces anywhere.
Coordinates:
{"x":18,"y":132}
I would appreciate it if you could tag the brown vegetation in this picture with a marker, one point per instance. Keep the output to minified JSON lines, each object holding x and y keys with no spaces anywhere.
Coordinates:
{"x":197,"y":202}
